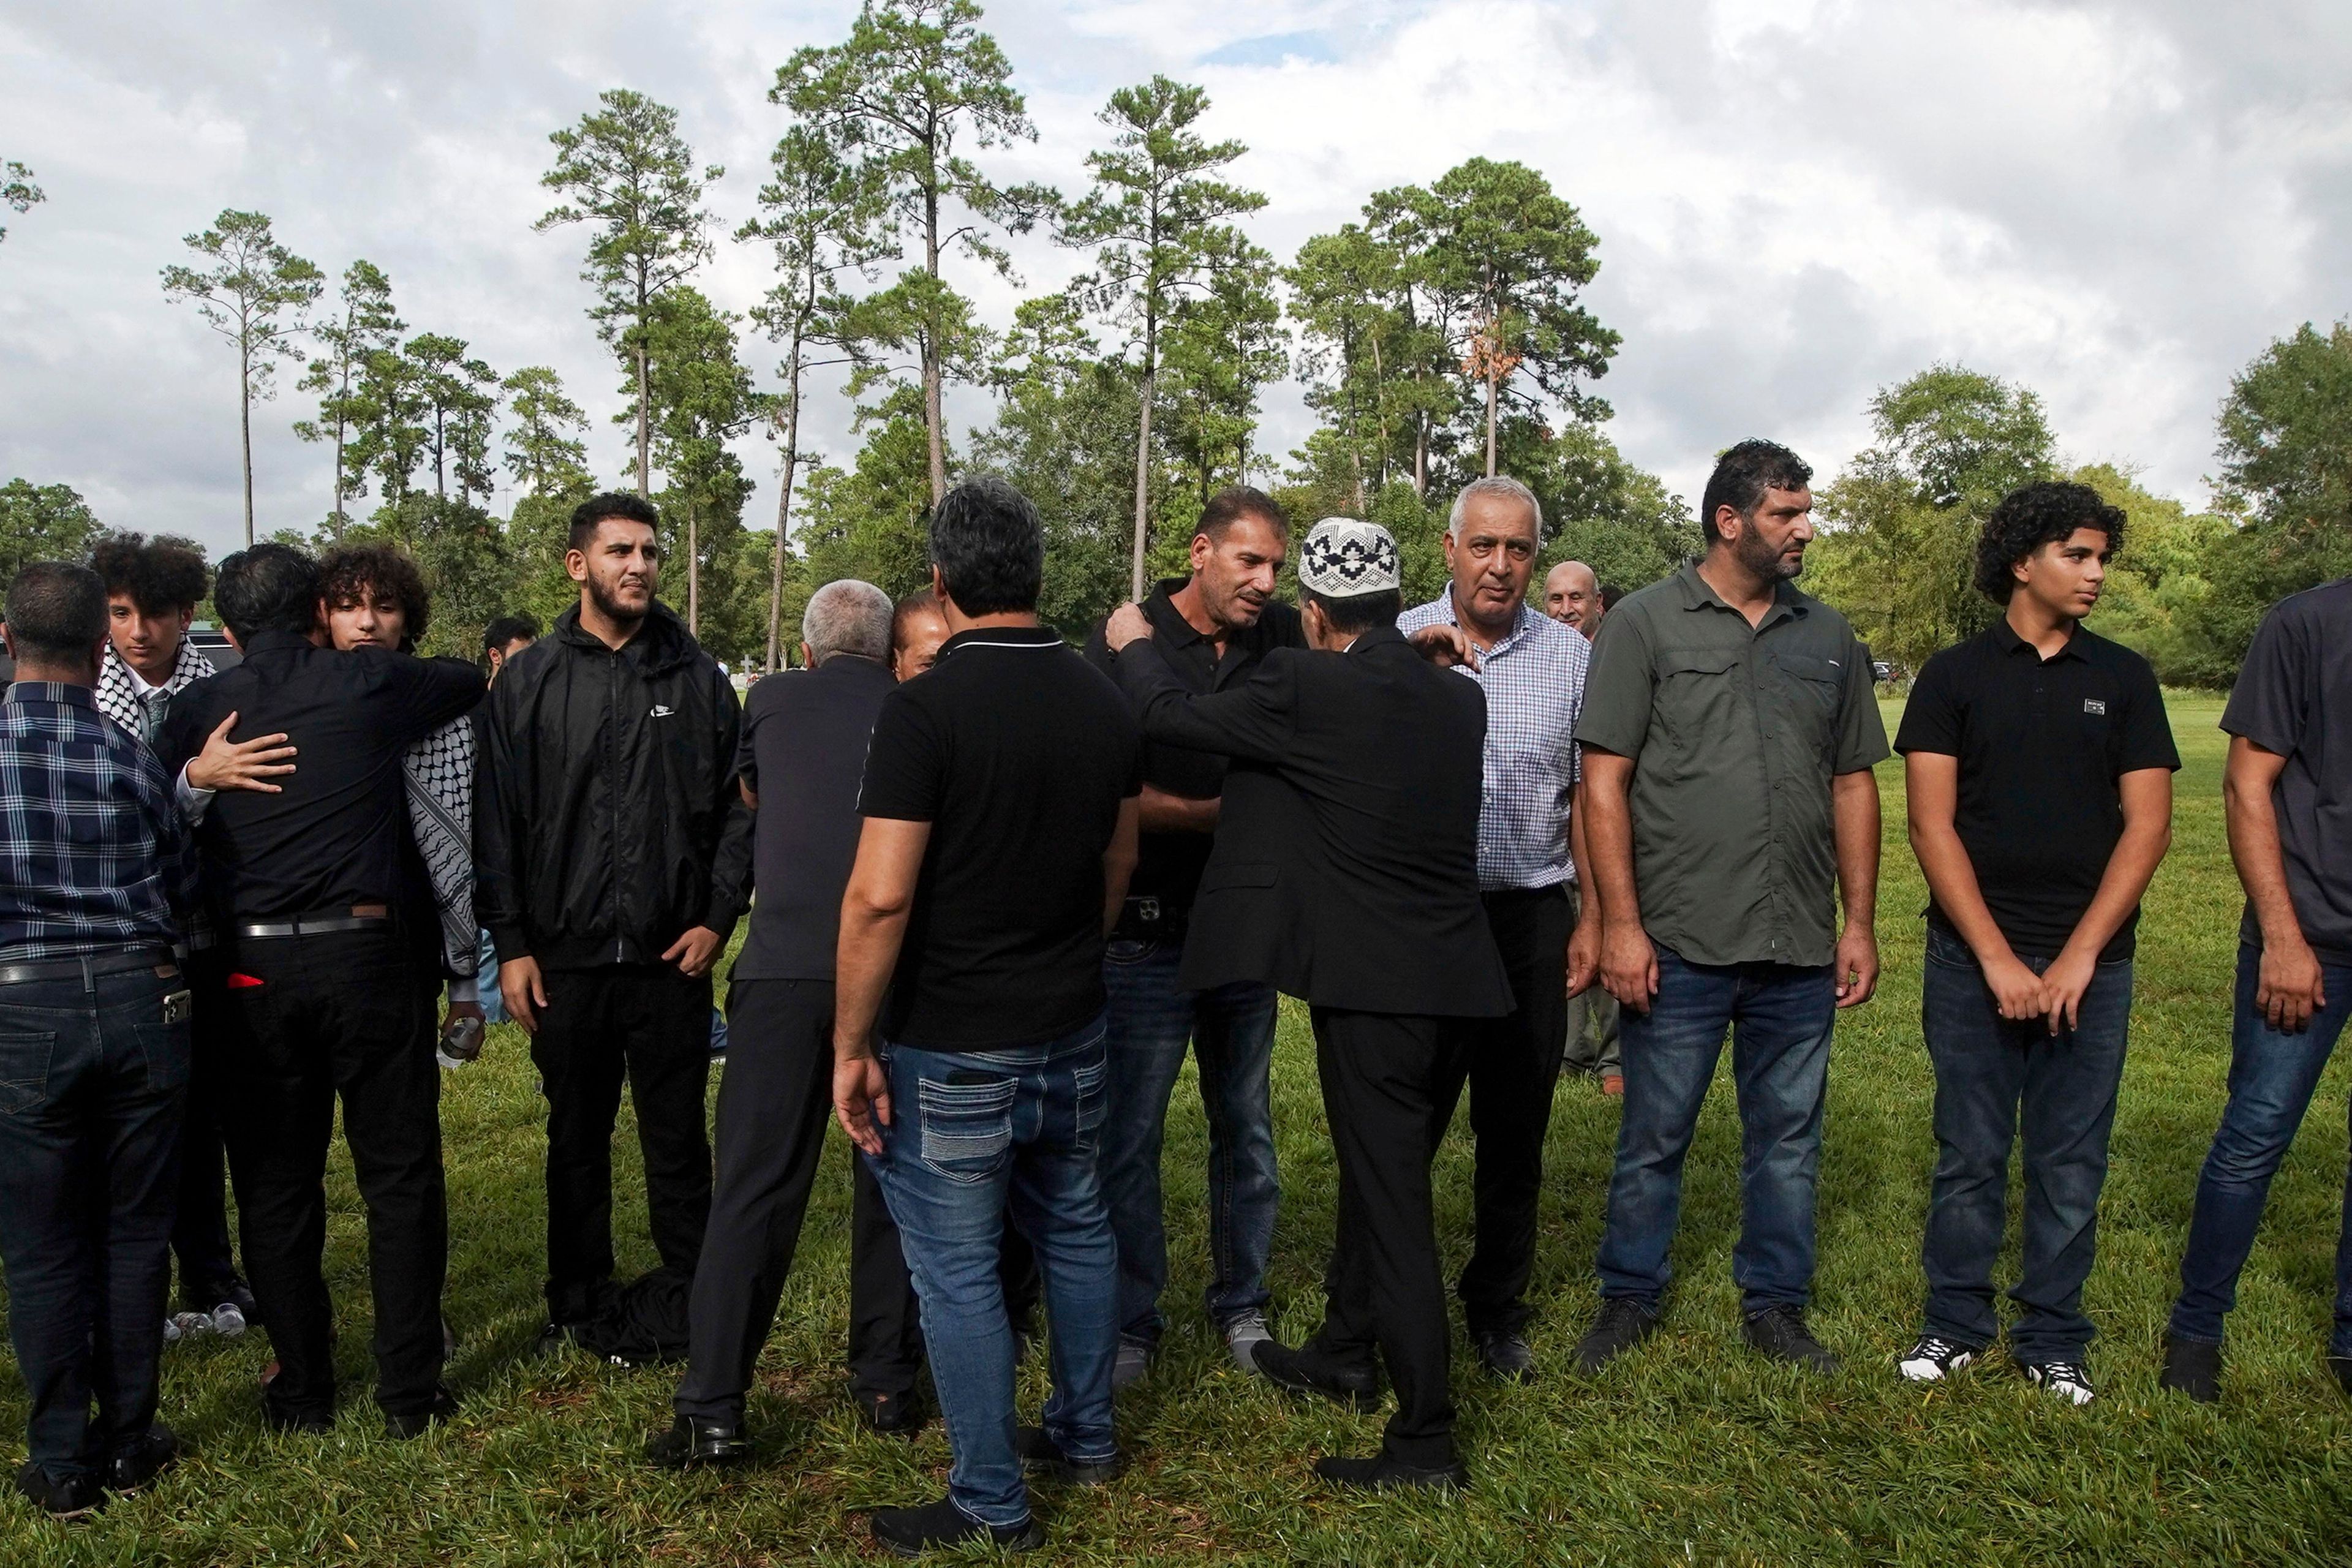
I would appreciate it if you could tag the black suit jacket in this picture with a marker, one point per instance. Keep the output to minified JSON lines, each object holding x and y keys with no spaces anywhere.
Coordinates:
{"x":1346,"y":865}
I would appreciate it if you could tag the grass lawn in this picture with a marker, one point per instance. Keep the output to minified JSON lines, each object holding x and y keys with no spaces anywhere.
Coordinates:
{"x":1691,"y":1450}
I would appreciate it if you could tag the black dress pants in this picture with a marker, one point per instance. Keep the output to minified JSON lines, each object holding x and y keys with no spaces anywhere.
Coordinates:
{"x":773,"y":1104}
{"x":200,"y":1233}
{"x":315,"y":1018}
{"x":1381,"y":1073}
{"x":1511,"y":1065}
{"x":648,"y":1025}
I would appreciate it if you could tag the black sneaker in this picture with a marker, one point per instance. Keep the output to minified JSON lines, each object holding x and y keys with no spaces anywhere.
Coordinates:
{"x":911,"y":1531}
{"x":2341,"y":1365}
{"x":1507,"y":1355}
{"x":2065,"y":1379}
{"x":1041,"y":1455}
{"x":60,"y":1497}
{"x":696,"y":1440}
{"x":409,"y":1424}
{"x":1934,"y":1359}
{"x":1781,"y":1333}
{"x":1624,"y":1322}
{"x":136,"y":1466}
{"x":1301,"y":1371}
{"x":1381,"y":1473}
{"x":2193,"y":1367}
{"x":892,"y":1414}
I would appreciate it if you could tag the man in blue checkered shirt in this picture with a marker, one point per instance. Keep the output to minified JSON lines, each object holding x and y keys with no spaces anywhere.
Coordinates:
{"x":95,"y":880}
{"x":1532,"y":668}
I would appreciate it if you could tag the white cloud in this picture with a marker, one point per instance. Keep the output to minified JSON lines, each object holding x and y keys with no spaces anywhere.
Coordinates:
{"x":1798,"y":200}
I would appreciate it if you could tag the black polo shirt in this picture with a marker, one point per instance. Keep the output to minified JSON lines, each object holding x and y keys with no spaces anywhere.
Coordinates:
{"x":2041,"y":745}
{"x":1018,"y":754}
{"x":1168,"y":865}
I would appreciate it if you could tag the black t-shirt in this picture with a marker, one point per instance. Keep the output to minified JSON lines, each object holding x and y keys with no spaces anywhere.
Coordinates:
{"x":804,"y":752}
{"x":1018,"y":754}
{"x":1168,"y":865}
{"x":2293,"y":699}
{"x":2041,"y":745}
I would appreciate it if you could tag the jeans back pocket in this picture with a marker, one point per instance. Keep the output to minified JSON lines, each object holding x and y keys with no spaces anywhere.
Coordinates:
{"x":24,"y":1055}
{"x":967,"y":1127}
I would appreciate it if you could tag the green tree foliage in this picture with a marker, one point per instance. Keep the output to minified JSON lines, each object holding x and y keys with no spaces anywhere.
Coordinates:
{"x":1347,"y":290}
{"x":625,"y":169}
{"x":2158,"y":598}
{"x":458,"y":398}
{"x":1154,"y":217}
{"x":913,"y":80}
{"x":702,"y":400}
{"x":42,"y":522}
{"x":252,"y":294}
{"x":871,"y":523}
{"x":17,"y":192}
{"x":543,"y":449}
{"x":1615,"y":517}
{"x":364,"y":323}
{"x":389,"y":434}
{"x":1224,"y":343}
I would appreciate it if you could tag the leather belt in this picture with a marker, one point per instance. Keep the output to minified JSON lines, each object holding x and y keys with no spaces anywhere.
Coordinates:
{"x":157,"y":958}
{"x":315,"y":925}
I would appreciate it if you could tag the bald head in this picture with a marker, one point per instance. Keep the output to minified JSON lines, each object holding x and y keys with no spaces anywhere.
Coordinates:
{"x":1571,"y":593}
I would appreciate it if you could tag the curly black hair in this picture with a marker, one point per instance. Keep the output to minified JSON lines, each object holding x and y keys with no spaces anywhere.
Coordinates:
{"x":2031,"y":516}
{"x":161,"y":575}
{"x":344,"y":571}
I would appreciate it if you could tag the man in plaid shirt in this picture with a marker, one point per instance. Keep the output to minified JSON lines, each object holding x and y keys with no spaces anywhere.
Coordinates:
{"x":96,"y":876}
{"x":1532,"y":668}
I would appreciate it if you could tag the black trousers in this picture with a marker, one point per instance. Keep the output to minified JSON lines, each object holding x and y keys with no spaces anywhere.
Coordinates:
{"x":317,"y":1019}
{"x":200,"y":1235}
{"x":886,"y":1323}
{"x":1381,"y":1073}
{"x":648,"y":1025}
{"x":1511,"y":1065}
{"x":773,"y":1104}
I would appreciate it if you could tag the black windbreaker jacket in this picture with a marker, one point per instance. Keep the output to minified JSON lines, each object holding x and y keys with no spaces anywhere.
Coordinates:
{"x":606,"y":817}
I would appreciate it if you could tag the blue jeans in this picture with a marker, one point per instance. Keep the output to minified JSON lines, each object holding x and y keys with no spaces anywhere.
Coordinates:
{"x":486,"y":982}
{"x":93,"y":1085}
{"x":1780,"y":1018}
{"x":969,"y":1134}
{"x":2272,"y":1078}
{"x":1991,"y":1075}
{"x":1232,"y":1028}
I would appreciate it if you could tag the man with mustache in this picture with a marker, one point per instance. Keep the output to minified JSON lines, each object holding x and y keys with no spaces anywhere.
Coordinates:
{"x":611,"y":856}
{"x":1728,"y":732}
{"x":1213,"y":628}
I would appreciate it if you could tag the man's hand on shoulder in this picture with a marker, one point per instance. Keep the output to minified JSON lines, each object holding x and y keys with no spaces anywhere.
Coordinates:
{"x":1127,"y":624}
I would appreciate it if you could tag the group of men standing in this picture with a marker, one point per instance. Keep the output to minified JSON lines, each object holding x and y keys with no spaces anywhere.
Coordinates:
{"x":997,"y":886}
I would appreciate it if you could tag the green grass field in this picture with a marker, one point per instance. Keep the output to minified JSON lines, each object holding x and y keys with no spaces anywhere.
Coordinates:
{"x":1691,"y":1450}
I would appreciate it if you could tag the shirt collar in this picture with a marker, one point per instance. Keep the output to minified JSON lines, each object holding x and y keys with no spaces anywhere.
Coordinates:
{"x":1444,"y":607}
{"x":1698,"y":594}
{"x":51,"y":691}
{"x":1001,"y":637}
{"x":1167,"y":620}
{"x":2005,"y":637}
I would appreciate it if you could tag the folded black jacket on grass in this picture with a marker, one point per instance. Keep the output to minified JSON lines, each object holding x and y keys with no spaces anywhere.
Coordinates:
{"x":607,"y":820}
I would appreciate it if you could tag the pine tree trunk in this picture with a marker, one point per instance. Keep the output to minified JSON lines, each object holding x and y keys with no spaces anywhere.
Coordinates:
{"x":934,"y":416}
{"x":341,"y":487}
{"x":645,"y":421}
{"x":244,"y":428}
{"x":1492,"y":348}
{"x":693,"y":569}
{"x":783,"y":515}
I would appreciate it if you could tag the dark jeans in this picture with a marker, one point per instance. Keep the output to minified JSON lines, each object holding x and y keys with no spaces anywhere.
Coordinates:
{"x":2272,"y":1078}
{"x":648,"y":1025}
{"x":1511,"y":1065}
{"x":200,"y":1233}
{"x":93,"y":1085}
{"x":1231,"y":1028}
{"x":344,"y":1015}
{"x":886,"y":1317}
{"x":972,"y":1133}
{"x":773,"y":1104}
{"x":1385,"y":1288}
{"x":1992,"y":1077}
{"x":1780,"y":1018}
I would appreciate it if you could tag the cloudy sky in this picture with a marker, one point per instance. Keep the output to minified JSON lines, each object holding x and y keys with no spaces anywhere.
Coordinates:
{"x":1798,"y":201}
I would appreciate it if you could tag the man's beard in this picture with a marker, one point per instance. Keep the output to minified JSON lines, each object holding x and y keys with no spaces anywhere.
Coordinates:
{"x":614,"y":612}
{"x":1766,"y":560}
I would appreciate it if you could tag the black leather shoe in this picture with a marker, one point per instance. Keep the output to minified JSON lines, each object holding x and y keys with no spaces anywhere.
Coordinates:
{"x":1381,"y":1473}
{"x":1040,"y":1455}
{"x":1505,"y":1355}
{"x":1780,"y":1332}
{"x":892,"y":1414}
{"x":2341,"y":1365}
{"x":911,"y":1531}
{"x":693,"y":1440}
{"x":285,"y":1418}
{"x":60,"y":1497}
{"x":2193,"y":1367}
{"x":410,"y":1424}
{"x":1303,"y":1372}
{"x":1623,"y":1323}
{"x":142,"y":1463}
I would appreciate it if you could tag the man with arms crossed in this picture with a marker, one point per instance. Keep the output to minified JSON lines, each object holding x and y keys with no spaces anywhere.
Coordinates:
{"x":2038,"y":765}
{"x":2288,"y":791}
{"x":967,"y":1038}
{"x":1532,"y":668}
{"x":1728,"y":732}
{"x":1212,"y":628}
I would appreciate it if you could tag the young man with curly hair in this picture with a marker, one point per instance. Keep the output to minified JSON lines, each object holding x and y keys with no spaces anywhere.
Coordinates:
{"x":2039,"y":766}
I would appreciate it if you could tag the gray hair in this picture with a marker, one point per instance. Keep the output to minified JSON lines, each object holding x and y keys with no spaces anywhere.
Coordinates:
{"x":847,"y":616}
{"x":1496,"y":484}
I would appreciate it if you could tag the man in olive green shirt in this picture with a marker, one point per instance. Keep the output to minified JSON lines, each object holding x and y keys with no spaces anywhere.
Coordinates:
{"x":1728,"y":732}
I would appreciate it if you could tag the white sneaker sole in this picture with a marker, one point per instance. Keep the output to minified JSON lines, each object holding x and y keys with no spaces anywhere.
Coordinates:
{"x":1928,"y":1372}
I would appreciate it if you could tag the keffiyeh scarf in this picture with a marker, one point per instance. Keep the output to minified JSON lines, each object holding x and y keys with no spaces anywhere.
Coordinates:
{"x":441,"y":814}
{"x":117,"y":690}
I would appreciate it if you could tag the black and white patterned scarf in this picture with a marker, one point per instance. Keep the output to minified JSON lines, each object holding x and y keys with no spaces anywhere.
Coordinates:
{"x":117,"y":690}
{"x":441,"y":814}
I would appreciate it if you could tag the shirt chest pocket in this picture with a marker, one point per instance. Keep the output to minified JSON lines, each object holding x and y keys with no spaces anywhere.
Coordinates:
{"x":1700,"y":693}
{"x":1809,"y":685}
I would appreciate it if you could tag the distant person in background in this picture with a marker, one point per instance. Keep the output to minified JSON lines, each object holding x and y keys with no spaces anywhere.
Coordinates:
{"x":96,"y":879}
{"x":2288,"y":790}
{"x":2038,"y":766}
{"x":1572,"y":594}
{"x":501,"y":640}
{"x":917,"y":630}
{"x":152,"y":588}
{"x":372,"y":596}
{"x":1610,"y":595}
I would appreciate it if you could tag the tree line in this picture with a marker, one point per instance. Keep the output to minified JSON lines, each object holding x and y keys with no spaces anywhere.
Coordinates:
{"x":1441,"y":335}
